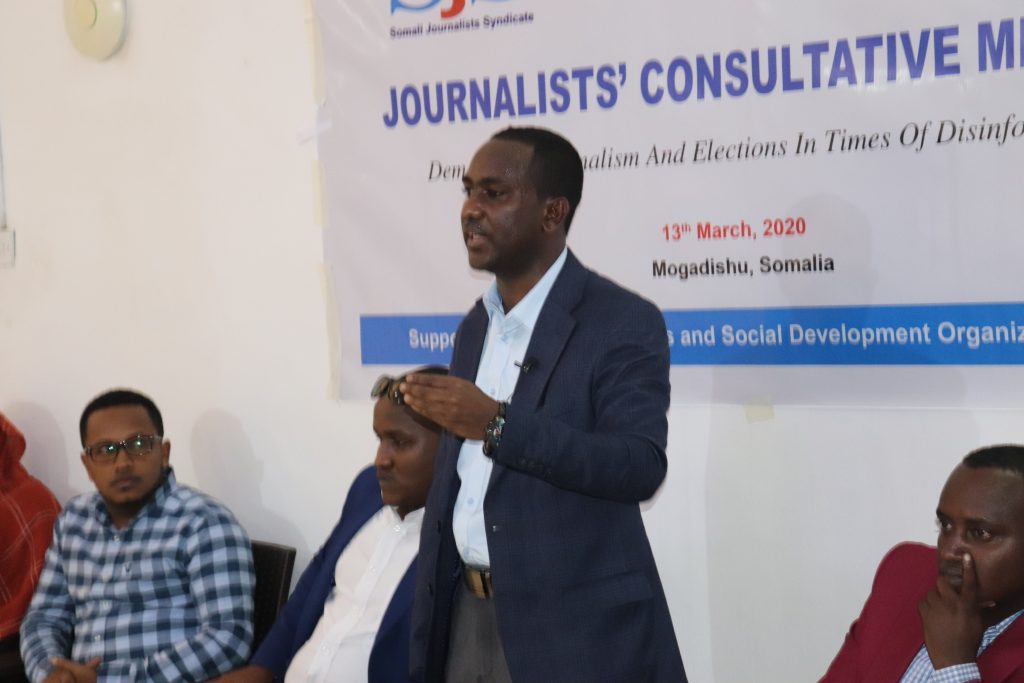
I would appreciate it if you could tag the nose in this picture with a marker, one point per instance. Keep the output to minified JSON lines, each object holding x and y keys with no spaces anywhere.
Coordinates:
{"x":122,"y":461}
{"x":952,"y":546}
{"x":470,"y":208}
{"x":383,"y":459}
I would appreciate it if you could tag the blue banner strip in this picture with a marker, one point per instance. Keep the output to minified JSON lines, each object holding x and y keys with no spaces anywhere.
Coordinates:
{"x":937,"y":334}
{"x":407,"y":339}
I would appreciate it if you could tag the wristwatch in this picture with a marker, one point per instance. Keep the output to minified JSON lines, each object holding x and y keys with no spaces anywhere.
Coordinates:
{"x":492,"y":433}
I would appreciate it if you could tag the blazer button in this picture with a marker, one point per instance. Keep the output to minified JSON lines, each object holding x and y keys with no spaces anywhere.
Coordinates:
{"x":495,"y":529}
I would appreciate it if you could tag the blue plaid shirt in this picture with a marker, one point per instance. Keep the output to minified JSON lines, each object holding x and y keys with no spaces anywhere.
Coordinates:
{"x":921,"y":670}
{"x":167,"y":598}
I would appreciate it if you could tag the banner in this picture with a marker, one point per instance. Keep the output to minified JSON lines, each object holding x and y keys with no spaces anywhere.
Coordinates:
{"x":817,"y":198}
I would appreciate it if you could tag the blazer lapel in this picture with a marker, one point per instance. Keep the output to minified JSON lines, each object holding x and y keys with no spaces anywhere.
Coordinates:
{"x":470,"y":343}
{"x":349,"y":528}
{"x":401,"y":602}
{"x":555,"y":325}
{"x":1002,"y":659}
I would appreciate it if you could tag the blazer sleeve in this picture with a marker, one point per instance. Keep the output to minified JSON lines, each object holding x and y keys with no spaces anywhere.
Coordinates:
{"x":620,"y":454}
{"x":887,"y":634}
{"x":845,"y":668}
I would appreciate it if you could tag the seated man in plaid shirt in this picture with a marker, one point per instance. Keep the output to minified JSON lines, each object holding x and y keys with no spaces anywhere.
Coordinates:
{"x":145,"y":580}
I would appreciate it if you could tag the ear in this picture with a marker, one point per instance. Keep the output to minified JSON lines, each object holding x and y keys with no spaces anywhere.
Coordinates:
{"x":165,"y":452}
{"x":86,"y":463}
{"x":556,"y":210}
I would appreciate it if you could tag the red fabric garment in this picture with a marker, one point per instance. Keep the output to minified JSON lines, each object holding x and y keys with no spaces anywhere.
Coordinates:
{"x":888,"y":633}
{"x":27,"y":512}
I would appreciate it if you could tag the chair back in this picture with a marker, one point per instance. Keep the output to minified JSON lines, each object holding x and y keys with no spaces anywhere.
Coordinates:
{"x":12,"y":670}
{"x":273,"y":565}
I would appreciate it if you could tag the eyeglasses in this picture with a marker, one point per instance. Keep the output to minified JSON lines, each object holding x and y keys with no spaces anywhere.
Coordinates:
{"x":134,"y":446}
{"x":388,"y":386}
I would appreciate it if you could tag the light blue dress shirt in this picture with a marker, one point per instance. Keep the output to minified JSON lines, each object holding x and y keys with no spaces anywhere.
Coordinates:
{"x":508,"y":336}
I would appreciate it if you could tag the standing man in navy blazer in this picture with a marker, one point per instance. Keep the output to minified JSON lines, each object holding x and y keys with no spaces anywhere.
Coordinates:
{"x":348,"y":619}
{"x":534,"y":563}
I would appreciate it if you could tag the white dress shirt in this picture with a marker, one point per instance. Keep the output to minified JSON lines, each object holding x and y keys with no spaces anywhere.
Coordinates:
{"x":366,"y":576}
{"x":508,"y":337}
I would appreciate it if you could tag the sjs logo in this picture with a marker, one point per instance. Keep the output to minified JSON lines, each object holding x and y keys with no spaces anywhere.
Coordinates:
{"x":453,"y":11}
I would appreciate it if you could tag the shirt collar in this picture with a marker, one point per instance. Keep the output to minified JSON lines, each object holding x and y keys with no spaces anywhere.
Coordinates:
{"x":993,"y":631}
{"x":527,"y":310}
{"x":412,"y":522}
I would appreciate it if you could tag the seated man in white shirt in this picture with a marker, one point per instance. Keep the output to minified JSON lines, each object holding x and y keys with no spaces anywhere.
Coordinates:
{"x":348,"y":619}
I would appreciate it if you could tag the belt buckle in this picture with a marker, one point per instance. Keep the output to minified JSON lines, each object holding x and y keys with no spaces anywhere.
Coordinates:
{"x":478,"y":581}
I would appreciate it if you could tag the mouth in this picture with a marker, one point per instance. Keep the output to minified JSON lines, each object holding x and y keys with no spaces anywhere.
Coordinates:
{"x":125,"y":483}
{"x":952,"y":575}
{"x":473,"y":235}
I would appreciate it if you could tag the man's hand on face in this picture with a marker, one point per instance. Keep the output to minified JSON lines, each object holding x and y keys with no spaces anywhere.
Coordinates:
{"x":456,"y":404}
{"x":66,"y":671}
{"x":953,"y":623}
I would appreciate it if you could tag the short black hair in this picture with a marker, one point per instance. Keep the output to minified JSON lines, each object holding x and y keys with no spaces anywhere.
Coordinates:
{"x":121,"y":397}
{"x":556,"y":167}
{"x":1008,"y":457}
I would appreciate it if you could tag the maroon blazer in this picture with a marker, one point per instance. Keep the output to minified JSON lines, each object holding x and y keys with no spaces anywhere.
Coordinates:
{"x":888,"y":634}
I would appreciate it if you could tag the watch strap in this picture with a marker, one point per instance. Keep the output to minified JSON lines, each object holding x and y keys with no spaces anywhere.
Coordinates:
{"x":495,"y":428}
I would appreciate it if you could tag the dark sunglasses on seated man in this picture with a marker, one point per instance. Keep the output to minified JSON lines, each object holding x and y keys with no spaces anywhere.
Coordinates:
{"x":388,"y":386}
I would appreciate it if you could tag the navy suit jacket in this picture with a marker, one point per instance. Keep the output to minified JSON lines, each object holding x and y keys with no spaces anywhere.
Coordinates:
{"x":577,"y":592}
{"x":889,"y":633}
{"x":389,"y":659}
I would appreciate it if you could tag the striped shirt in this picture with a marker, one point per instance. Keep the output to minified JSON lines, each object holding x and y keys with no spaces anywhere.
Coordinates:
{"x":167,"y":598}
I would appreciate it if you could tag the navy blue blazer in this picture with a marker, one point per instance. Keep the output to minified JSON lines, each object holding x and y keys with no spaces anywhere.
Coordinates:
{"x":577,"y":593}
{"x":389,"y":659}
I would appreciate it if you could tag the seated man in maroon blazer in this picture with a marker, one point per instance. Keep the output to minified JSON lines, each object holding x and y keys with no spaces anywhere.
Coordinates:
{"x":950,"y":614}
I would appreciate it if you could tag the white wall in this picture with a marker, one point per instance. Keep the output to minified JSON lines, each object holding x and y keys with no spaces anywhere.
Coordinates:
{"x":167,"y":235}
